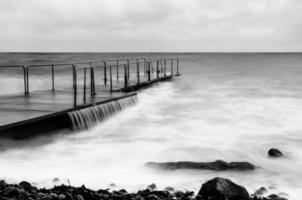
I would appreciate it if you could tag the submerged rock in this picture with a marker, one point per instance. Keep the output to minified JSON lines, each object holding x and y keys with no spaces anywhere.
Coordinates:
{"x":222,"y":189}
{"x":218,"y":165}
{"x":275,"y":153}
{"x":275,"y":197}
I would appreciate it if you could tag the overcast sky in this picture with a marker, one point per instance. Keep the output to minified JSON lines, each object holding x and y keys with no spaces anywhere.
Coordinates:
{"x":151,"y":25}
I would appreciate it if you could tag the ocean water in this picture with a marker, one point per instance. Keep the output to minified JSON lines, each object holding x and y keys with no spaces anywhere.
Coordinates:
{"x":224,"y":106}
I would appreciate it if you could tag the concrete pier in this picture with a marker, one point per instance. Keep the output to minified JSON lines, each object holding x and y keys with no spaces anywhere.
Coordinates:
{"x":41,"y":111}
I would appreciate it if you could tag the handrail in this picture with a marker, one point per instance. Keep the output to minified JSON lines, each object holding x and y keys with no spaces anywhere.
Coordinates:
{"x":24,"y":74}
{"x":151,"y":66}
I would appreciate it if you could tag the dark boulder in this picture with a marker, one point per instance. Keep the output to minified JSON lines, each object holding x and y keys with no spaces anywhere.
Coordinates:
{"x":218,"y":165}
{"x":222,"y":189}
{"x":11,"y":191}
{"x":26,"y":186}
{"x":275,"y":153}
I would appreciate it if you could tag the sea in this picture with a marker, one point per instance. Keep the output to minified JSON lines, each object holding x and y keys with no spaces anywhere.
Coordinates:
{"x":228,"y":106}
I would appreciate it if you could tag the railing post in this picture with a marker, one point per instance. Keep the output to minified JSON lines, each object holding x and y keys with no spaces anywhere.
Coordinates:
{"x":53,"y":77}
{"x":74,"y":76}
{"x":105,"y":73}
{"x":157,"y":69}
{"x":125,"y":73}
{"x":149,"y":71}
{"x":145,"y":66}
{"x":165,"y":67}
{"x":161,"y":66}
{"x":27,"y":79}
{"x":25,"y":82}
{"x":92,"y":82}
{"x":128,"y":70}
{"x":117,"y":62}
{"x":171,"y":67}
{"x":137,"y":70}
{"x":84,"y":90}
{"x":110,"y":68}
{"x":177,"y":62}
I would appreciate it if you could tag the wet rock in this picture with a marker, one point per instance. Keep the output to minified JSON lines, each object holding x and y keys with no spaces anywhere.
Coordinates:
{"x":275,"y":153}
{"x":78,"y":197}
{"x":53,"y":195}
{"x":275,"y":197}
{"x":61,"y":197}
{"x":2,"y":184}
{"x":260,"y":192}
{"x":11,"y":191}
{"x":222,"y":189}
{"x":218,"y":165}
{"x":26,"y":186}
{"x":169,"y":189}
{"x":152,"y":187}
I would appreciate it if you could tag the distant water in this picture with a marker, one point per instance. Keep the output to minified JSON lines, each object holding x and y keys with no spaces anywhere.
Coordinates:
{"x":224,"y":106}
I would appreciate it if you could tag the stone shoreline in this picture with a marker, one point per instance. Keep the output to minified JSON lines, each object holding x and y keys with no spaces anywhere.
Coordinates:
{"x":214,"y":189}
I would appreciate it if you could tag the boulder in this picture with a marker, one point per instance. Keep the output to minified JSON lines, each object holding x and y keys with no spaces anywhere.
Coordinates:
{"x":26,"y":186}
{"x":11,"y":191}
{"x":218,"y":165}
{"x":275,"y":153}
{"x":222,"y":189}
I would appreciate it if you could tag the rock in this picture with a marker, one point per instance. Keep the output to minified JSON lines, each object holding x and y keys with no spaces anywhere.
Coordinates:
{"x":260,"y":192}
{"x":152,"y":187}
{"x":222,"y":189}
{"x":26,"y":186}
{"x":11,"y":191}
{"x":218,"y":165}
{"x":2,"y":184}
{"x":78,"y":197}
{"x":275,"y":197}
{"x":169,"y":189}
{"x":61,"y":197}
{"x":53,"y":195}
{"x":275,"y":153}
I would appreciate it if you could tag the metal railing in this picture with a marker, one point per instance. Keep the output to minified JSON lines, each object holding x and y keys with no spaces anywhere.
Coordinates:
{"x":142,"y":69}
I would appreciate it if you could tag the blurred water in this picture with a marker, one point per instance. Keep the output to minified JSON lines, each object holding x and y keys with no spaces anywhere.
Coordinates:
{"x":224,"y":106}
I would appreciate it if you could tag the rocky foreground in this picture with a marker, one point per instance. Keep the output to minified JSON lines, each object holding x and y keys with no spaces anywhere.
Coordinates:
{"x":215,"y":189}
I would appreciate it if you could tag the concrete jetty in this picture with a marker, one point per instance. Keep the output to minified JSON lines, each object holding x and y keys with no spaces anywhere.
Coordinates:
{"x":91,"y":83}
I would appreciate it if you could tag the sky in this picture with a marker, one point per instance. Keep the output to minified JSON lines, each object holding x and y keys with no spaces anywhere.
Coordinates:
{"x":151,"y":25}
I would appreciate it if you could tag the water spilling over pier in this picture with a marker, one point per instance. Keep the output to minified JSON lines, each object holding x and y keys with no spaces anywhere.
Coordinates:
{"x":85,"y":118}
